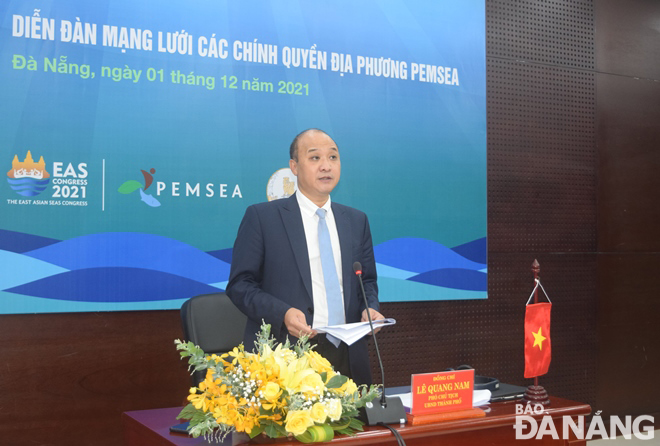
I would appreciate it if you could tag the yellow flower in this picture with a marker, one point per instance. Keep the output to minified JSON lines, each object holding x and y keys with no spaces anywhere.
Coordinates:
{"x":297,"y":421}
{"x":235,"y":354}
{"x":277,"y":418}
{"x":312,"y":382}
{"x":271,"y":391}
{"x":333,"y":408}
{"x":290,"y":374}
{"x":318,"y":362}
{"x":199,"y":401}
{"x":239,"y":423}
{"x":305,"y":380}
{"x":349,"y":387}
{"x":301,"y":363}
{"x":267,"y":352}
{"x":281,"y":356}
{"x":244,"y":423}
{"x":319,"y":413}
{"x":285,"y":373}
{"x":212,"y":357}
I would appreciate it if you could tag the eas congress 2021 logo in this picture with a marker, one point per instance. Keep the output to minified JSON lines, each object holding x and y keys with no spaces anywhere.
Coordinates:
{"x":28,"y":178}
{"x":31,"y":179}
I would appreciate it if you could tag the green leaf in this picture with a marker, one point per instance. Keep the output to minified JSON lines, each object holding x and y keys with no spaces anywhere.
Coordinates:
{"x":271,"y":431}
{"x":341,"y":424}
{"x":336,"y":381}
{"x":129,"y":186}
{"x":356,"y":424}
{"x":350,"y":412}
{"x":256,"y":431}
{"x":281,"y":429}
{"x":368,"y":395}
{"x":187,"y":412}
{"x":321,"y":433}
{"x":305,"y":438}
{"x":346,"y":431}
{"x":200,"y":417}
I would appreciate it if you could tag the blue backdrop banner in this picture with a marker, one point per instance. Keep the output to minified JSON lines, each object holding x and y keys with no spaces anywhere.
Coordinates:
{"x":135,"y":133}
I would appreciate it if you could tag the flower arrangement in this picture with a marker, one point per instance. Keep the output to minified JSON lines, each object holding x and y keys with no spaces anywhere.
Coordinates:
{"x":278,"y":391}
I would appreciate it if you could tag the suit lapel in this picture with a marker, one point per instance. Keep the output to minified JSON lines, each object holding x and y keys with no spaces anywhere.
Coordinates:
{"x":345,"y":242}
{"x":292,"y":220}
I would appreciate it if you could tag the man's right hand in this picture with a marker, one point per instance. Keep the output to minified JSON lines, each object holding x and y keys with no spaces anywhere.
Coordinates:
{"x":295,"y":322}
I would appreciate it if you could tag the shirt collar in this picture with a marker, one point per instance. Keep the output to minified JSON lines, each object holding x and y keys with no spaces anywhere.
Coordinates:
{"x":308,"y":207}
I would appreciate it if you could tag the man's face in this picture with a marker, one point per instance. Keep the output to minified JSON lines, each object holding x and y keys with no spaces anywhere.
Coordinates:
{"x":318,"y":166}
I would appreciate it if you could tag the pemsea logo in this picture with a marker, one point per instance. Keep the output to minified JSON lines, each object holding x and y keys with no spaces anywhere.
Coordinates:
{"x":130,"y":186}
{"x":177,"y":189}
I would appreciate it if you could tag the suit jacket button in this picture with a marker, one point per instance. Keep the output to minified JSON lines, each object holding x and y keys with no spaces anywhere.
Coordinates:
{"x":310,"y":310}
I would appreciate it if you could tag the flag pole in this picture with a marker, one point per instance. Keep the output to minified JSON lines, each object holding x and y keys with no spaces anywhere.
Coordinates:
{"x":536,"y":269}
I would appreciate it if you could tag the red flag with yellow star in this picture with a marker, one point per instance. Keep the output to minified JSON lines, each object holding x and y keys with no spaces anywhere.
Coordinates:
{"x":538,"y":350}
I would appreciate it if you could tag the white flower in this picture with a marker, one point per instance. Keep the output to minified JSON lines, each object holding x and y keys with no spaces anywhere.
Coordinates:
{"x":333,"y":407}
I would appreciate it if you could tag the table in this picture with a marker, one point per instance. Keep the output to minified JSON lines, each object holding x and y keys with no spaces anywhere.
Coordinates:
{"x":151,"y":428}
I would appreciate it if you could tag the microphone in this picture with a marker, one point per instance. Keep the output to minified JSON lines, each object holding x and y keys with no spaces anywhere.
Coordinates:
{"x":390,"y":410}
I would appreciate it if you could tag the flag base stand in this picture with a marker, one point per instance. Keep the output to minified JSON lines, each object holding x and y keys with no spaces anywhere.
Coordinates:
{"x":536,"y":395}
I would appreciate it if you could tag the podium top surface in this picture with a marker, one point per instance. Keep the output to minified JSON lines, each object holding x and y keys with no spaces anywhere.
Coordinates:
{"x":151,"y":427}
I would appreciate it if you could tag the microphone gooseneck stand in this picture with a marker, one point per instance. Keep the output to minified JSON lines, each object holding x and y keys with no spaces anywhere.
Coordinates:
{"x":386,"y":411}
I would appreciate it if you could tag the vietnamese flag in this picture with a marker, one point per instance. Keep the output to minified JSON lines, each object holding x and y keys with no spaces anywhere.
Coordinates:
{"x":538,"y":351}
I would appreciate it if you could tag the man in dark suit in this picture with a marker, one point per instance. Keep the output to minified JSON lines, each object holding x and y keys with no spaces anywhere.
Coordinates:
{"x":293,"y":258}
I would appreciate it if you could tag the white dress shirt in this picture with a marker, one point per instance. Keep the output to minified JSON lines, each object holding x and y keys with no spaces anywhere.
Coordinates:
{"x":311,"y":225}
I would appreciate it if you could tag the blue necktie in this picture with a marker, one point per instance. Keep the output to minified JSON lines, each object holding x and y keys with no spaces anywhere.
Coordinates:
{"x":330,"y":278}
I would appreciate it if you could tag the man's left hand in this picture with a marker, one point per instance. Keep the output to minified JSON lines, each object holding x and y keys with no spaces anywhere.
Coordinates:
{"x":375,"y":315}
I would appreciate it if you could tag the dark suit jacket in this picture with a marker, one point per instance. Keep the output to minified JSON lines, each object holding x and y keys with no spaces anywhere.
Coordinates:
{"x":270,"y":271}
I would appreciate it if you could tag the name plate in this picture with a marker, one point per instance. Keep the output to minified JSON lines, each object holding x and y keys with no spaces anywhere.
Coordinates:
{"x":442,"y":391}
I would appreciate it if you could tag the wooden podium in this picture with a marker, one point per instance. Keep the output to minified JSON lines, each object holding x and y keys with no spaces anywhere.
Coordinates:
{"x":151,"y":428}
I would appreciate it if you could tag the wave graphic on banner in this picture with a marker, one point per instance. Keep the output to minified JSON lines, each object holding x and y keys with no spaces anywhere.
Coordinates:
{"x":28,"y":187}
{"x":134,"y":250}
{"x":20,"y":242}
{"x":115,"y":267}
{"x":18,"y":269}
{"x":125,"y":270}
{"x":414,"y":269}
{"x":114,"y":285}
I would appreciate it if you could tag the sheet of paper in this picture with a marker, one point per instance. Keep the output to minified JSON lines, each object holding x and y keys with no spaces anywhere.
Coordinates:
{"x":406,"y":399}
{"x":480,"y":397}
{"x":350,"y":333}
